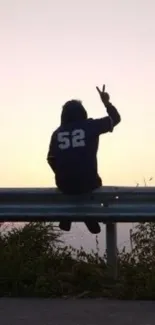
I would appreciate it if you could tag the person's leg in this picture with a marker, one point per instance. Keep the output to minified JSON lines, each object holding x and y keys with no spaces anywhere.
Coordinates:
{"x":93,"y":226}
{"x":65,"y":225}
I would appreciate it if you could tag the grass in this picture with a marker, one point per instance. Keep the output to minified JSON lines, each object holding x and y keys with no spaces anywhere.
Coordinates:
{"x":33,"y":264}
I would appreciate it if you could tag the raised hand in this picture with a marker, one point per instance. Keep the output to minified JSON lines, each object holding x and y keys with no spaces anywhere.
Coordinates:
{"x":103,"y":95}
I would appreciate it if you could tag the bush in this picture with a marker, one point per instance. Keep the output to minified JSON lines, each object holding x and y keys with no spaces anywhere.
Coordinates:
{"x":34,"y":263}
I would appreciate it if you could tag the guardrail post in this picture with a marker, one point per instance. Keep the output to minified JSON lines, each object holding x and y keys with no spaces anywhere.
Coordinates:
{"x":111,"y":243}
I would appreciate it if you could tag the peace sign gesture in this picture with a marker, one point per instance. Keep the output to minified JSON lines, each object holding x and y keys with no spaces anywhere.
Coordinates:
{"x":104,"y":96}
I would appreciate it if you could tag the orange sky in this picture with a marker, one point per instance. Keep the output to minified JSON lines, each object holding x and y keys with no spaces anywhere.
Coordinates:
{"x":52,"y":51}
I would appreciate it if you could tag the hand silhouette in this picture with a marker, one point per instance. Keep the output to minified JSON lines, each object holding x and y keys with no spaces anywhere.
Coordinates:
{"x":103,"y":95}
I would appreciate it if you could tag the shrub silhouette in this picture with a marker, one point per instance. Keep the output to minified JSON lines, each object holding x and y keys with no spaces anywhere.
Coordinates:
{"x":33,"y":262}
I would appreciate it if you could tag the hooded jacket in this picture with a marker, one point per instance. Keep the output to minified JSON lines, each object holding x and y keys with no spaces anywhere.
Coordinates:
{"x":74,"y":145}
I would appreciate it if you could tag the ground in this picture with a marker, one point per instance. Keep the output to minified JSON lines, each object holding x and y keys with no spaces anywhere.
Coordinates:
{"x":75,"y":312}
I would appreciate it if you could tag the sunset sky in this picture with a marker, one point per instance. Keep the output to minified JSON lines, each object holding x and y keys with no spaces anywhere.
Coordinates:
{"x":52,"y":51}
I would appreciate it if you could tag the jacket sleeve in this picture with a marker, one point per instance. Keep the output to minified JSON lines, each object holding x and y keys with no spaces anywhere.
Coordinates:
{"x":107,"y":123}
{"x":113,"y":114}
{"x":51,"y":154}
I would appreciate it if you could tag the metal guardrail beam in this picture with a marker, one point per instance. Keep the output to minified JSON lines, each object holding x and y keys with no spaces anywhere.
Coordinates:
{"x":103,"y":189}
{"x":109,"y":204}
{"x":52,"y":195}
{"x":77,"y":213}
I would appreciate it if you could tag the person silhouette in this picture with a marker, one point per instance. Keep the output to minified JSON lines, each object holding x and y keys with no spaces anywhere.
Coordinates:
{"x":72,"y":153}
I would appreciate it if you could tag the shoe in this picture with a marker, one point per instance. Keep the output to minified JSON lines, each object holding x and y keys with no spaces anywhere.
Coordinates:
{"x":93,"y":227}
{"x":65,"y":225}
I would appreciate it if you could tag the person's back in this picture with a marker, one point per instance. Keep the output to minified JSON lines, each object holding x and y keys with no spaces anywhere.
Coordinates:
{"x":75,"y":147}
{"x":74,"y":144}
